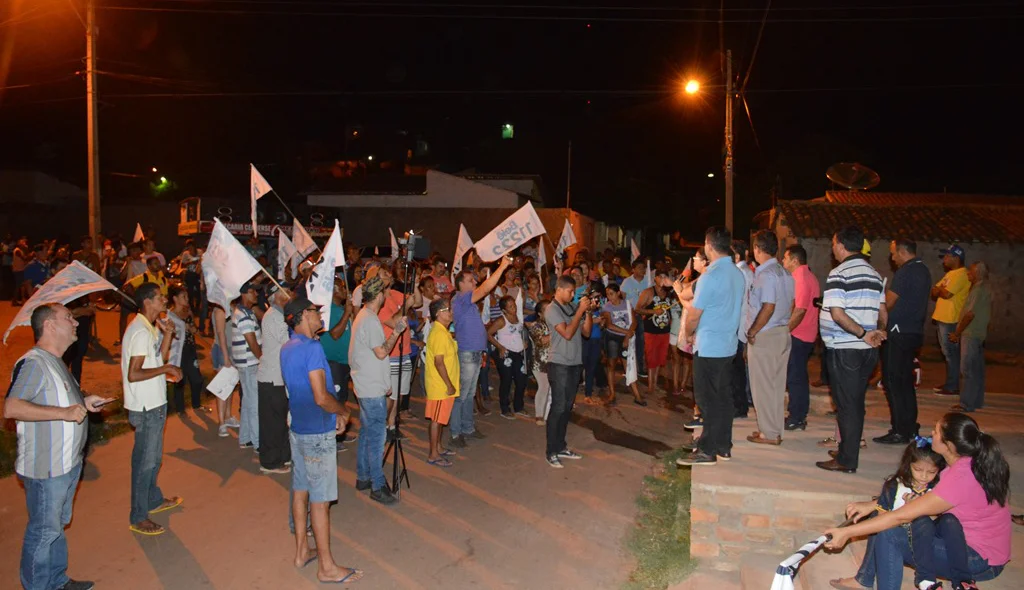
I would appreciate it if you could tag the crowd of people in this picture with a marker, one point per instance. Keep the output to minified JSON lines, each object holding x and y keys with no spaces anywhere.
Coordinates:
{"x":736,"y":329}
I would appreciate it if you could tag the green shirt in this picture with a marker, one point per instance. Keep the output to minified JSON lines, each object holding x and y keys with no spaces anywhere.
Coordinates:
{"x":979,"y":302}
{"x":337,"y":350}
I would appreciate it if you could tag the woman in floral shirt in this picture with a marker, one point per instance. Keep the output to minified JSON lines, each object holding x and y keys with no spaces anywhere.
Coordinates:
{"x":540,"y":335}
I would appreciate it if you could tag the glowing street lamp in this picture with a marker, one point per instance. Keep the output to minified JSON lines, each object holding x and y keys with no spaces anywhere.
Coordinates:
{"x":692,"y":87}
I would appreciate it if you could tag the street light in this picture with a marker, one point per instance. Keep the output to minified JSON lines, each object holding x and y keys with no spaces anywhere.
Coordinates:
{"x":711,"y":174}
{"x":154,"y":169}
{"x":692,"y":87}
{"x":163,"y":180}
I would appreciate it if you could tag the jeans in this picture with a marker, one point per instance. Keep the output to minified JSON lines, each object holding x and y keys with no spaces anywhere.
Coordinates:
{"x":461,"y":422}
{"x":373,"y":413}
{"x":315,"y":469}
{"x":190,"y":373}
{"x":512,"y":370}
{"x":591,"y":364}
{"x":275,"y":449}
{"x":898,"y":353}
{"x":564,"y":380}
{"x":542,"y":402}
{"x":739,"y":382}
{"x":44,"y":552}
{"x":972,"y":362}
{"x":147,"y":455}
{"x":250,"y":428}
{"x":954,"y":559}
{"x":712,"y":383}
{"x":641,"y":360}
{"x":797,"y":380}
{"x":849,"y":370}
{"x":951,"y":351}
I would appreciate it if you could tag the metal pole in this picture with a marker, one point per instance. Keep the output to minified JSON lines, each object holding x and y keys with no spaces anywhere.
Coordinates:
{"x":92,"y":126}
{"x":728,"y":142}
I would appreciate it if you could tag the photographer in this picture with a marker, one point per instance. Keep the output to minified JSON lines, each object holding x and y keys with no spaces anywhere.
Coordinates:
{"x":568,"y":326}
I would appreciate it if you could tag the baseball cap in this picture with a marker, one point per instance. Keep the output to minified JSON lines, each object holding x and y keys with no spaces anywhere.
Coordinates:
{"x":295,"y":307}
{"x":955,"y":250}
{"x":250,"y":285}
{"x":372,"y":288}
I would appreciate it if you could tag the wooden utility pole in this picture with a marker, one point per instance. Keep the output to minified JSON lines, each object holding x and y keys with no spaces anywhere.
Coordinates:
{"x":728,"y":142}
{"x":94,"y":149}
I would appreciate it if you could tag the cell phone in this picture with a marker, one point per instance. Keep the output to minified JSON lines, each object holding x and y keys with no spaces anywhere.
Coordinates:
{"x":105,"y":402}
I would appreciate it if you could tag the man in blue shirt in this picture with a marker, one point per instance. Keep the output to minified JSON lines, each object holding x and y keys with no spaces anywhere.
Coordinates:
{"x":631,"y":288}
{"x":316,"y":418}
{"x":712,"y":322}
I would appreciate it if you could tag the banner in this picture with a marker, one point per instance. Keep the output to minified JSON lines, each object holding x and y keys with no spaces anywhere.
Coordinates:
{"x":541,"y":260}
{"x":394,"y":245}
{"x":258,"y":186}
{"x":229,"y":261}
{"x":519,"y":304}
{"x":320,"y":286}
{"x":568,"y":238}
{"x":634,"y":251}
{"x":286,"y":253}
{"x":139,"y":236}
{"x":519,"y":228}
{"x":214,"y":290}
{"x":465,"y":244}
{"x":69,"y":284}
{"x":303,"y":243}
{"x":631,"y":369}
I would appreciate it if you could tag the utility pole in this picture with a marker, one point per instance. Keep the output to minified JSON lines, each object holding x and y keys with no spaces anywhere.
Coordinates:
{"x":90,"y":92}
{"x":728,"y":142}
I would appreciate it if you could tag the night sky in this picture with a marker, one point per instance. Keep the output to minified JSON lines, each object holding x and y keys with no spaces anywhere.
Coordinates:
{"x":926,"y":93}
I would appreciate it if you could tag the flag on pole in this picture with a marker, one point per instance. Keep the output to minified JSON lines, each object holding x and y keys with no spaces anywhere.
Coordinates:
{"x":139,"y":236}
{"x":648,"y":279}
{"x":517,"y":229}
{"x":465,"y":244}
{"x":303,"y":243}
{"x":634,"y":251}
{"x":394,"y":245}
{"x":519,"y":303}
{"x":286,"y":253}
{"x":320,"y":286}
{"x":214,"y":289}
{"x":542,"y":259}
{"x":568,"y":238}
{"x":258,"y":186}
{"x":74,"y":281}
{"x":229,"y":261}
{"x":631,"y":368}
{"x":376,"y":251}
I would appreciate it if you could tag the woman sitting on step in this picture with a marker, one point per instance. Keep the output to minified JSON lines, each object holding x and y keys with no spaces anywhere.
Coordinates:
{"x":971,"y":536}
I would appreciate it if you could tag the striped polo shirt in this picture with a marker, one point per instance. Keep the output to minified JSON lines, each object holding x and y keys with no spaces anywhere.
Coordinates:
{"x":856,"y":287}
{"x":48,"y":448}
{"x":243,"y":321}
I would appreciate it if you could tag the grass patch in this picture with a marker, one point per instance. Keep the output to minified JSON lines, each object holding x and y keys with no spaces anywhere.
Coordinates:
{"x":660,"y":539}
{"x":113,"y":421}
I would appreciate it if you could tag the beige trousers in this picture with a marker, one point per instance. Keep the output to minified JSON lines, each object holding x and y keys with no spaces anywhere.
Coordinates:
{"x":768,"y":358}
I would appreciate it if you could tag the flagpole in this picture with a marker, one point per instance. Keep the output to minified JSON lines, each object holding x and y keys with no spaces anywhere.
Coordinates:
{"x":290,"y":212}
{"x":271,"y":277}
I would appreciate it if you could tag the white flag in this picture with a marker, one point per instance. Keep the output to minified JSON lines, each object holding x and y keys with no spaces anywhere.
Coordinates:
{"x":648,"y":279}
{"x":214,"y":290}
{"x":376,"y":251}
{"x":258,"y":186}
{"x":303,"y":243}
{"x":394,"y":245}
{"x":286,"y":252}
{"x":519,"y":228}
{"x":568,"y":238}
{"x":69,"y":284}
{"x":519,"y":303}
{"x":320,"y":286}
{"x":631,"y":372}
{"x":541,"y":260}
{"x":229,"y":261}
{"x":139,"y":236}
{"x":464,"y":245}
{"x":634,"y":251}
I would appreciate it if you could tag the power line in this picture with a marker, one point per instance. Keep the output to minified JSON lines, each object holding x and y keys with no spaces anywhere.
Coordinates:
{"x":753,"y":56}
{"x":518,"y":17}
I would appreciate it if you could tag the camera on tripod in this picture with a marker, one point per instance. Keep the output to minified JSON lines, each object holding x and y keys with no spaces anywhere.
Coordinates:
{"x":417,"y":247}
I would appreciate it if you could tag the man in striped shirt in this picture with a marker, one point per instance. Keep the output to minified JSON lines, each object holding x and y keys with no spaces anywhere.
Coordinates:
{"x":246,"y":352}
{"x":852,"y":311}
{"x":48,"y":406}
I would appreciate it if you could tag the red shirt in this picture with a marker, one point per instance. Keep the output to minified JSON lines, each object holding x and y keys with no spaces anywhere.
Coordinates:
{"x":393,"y":303}
{"x":806,"y":288}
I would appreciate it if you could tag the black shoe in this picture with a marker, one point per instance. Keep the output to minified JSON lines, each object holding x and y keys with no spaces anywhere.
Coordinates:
{"x":383,"y":496}
{"x":834,"y":465}
{"x":726,"y":456}
{"x":77,"y":585}
{"x":891,"y":439}
{"x":362,"y":484}
{"x":801,"y":425}
{"x":459,"y":442}
{"x":697,"y":458}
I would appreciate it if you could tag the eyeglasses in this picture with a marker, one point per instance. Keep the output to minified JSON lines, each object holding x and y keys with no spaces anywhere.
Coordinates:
{"x":444,"y":309}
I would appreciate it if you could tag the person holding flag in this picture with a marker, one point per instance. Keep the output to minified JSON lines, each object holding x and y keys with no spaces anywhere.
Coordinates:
{"x":631,"y":288}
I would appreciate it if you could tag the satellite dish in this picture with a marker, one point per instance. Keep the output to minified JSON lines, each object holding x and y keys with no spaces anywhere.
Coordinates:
{"x":853,"y":176}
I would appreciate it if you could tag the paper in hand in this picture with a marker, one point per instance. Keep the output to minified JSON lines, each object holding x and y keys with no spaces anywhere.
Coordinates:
{"x":224,"y":382}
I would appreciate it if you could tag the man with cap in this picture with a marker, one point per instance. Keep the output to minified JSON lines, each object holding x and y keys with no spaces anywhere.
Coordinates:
{"x":275,"y":455}
{"x":950,"y":294}
{"x":317,"y":417}
{"x":246,"y":351}
{"x":368,"y":355}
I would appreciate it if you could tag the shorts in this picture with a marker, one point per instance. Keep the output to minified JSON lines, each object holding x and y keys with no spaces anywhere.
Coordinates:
{"x":217,"y":355}
{"x":655,"y":349}
{"x":440,"y":410}
{"x":406,"y":381}
{"x":614,"y":346}
{"x":315,"y":465}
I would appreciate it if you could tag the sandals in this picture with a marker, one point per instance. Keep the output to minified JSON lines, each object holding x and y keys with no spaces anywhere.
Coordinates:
{"x":441,"y":462}
{"x":149,"y":531}
{"x":353,"y":575}
{"x":447,"y":453}
{"x":640,"y":402}
{"x":168,"y":503}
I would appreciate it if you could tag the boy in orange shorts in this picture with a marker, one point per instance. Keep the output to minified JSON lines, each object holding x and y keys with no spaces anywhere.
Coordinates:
{"x":440,"y":377}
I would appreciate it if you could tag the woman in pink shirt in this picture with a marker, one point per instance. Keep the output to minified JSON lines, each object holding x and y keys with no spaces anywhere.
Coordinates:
{"x":971,"y":536}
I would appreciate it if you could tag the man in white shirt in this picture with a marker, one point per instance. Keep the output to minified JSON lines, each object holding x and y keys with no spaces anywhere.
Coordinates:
{"x":145,"y":372}
{"x":275,"y":450}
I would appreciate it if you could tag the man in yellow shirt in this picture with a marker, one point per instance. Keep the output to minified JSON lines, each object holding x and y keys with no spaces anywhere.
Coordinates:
{"x":154,"y":274}
{"x":440,"y":378}
{"x":950,"y":294}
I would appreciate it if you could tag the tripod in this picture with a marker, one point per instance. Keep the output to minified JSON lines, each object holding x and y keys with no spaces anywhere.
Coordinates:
{"x":399,"y":471}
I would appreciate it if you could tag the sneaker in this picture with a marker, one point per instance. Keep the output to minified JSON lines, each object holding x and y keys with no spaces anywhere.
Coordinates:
{"x":222,"y":430}
{"x":78,"y":585}
{"x":508,"y":415}
{"x":569,"y":454}
{"x":384,"y":496}
{"x":362,"y":484}
{"x":965,"y":586}
{"x":459,"y":442}
{"x":281,"y":469}
{"x":726,"y":456}
{"x":697,"y":458}
{"x":232,"y":422}
{"x":694,"y":424}
{"x":801,"y":425}
{"x":554,"y":462}
{"x":522,"y":414}
{"x":247,"y":445}
{"x":477,"y":435}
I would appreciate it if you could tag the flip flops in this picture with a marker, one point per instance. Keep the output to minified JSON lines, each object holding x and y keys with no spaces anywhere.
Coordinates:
{"x":150,"y":533}
{"x":441,"y":462}
{"x":447,"y":453}
{"x":168,"y":504}
{"x":352,"y":572}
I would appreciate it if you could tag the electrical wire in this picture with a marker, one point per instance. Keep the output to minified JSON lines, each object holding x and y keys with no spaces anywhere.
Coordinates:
{"x":753,"y":56}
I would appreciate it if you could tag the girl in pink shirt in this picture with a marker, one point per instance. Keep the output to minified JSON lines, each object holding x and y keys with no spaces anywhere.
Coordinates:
{"x":971,"y":536}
